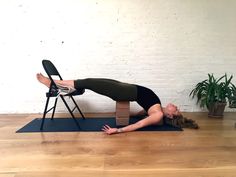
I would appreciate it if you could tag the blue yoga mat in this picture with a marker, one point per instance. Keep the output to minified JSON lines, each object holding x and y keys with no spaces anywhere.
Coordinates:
{"x":86,"y":125}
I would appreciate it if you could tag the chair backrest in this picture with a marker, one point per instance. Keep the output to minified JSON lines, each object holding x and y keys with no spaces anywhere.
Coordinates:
{"x":50,"y":69}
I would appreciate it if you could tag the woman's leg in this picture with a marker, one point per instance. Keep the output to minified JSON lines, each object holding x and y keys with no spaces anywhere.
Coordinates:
{"x":46,"y":81}
{"x":113,"y":89}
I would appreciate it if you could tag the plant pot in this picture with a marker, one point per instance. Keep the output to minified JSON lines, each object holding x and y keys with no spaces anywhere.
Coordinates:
{"x":217,"y":109}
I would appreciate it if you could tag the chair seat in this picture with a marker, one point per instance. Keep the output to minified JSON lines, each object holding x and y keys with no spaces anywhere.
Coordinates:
{"x":54,"y":93}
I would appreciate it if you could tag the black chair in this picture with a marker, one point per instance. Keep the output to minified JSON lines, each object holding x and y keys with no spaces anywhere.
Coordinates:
{"x":53,"y":92}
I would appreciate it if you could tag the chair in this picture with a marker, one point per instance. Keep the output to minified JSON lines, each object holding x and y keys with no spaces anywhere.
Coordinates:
{"x":53,"y":92}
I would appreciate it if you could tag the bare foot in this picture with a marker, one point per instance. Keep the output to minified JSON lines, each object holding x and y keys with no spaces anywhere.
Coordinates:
{"x":42,"y":79}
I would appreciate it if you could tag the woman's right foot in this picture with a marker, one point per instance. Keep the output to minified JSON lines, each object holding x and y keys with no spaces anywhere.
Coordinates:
{"x":44,"y":80}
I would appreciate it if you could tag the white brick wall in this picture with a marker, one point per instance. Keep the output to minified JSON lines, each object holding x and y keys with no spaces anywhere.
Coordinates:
{"x":162,"y":44}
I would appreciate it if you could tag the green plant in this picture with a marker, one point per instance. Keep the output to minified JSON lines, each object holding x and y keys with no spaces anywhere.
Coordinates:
{"x":232,"y":99}
{"x":224,"y":89}
{"x":214,"y":90}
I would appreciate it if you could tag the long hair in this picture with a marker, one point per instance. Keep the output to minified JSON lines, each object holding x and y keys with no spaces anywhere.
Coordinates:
{"x":181,"y":122}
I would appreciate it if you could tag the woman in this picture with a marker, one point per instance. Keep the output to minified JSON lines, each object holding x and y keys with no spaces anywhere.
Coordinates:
{"x":120,"y":91}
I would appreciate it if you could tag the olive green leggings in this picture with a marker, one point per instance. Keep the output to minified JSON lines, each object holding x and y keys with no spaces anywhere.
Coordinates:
{"x":113,"y":89}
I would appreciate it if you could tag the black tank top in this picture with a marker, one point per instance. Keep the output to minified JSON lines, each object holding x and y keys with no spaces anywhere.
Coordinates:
{"x":146,"y":98}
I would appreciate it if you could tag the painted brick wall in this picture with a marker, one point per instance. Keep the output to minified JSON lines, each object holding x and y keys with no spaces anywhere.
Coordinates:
{"x":166,"y":45}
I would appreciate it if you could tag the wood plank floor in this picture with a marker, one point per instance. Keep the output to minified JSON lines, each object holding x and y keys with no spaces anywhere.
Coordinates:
{"x":209,"y":151}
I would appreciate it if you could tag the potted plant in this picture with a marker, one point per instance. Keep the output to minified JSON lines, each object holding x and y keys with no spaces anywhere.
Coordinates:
{"x":232,"y":99}
{"x":214,"y":93}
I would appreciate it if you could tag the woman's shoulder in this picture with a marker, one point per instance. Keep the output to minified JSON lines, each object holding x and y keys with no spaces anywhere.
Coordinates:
{"x":156,"y":108}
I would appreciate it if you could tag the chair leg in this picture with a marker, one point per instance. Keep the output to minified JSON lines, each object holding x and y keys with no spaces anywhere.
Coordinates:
{"x":71,"y":113}
{"x":77,"y":107}
{"x":54,"y":108}
{"x":44,"y":113}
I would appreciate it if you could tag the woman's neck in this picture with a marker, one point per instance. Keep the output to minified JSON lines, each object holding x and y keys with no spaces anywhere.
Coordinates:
{"x":164,"y":111}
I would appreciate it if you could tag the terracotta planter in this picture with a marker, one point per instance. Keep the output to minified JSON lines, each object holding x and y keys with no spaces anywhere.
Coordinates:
{"x":217,"y":110}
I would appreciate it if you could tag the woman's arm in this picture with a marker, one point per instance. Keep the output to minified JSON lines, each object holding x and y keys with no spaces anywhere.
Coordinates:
{"x":150,"y":120}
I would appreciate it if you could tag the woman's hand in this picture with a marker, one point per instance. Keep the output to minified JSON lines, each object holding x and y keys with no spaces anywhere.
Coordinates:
{"x":108,"y":130}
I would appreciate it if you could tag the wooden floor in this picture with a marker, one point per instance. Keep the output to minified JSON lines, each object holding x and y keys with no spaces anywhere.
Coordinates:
{"x":207,"y":152}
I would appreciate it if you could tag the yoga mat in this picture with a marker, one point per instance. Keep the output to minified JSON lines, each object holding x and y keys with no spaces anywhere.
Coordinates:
{"x":87,"y":125}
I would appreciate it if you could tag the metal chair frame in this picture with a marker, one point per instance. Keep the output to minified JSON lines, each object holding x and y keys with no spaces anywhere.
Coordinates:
{"x":53,"y":92}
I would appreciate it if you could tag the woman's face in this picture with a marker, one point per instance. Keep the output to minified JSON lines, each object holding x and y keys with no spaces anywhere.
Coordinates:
{"x":172,"y":110}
